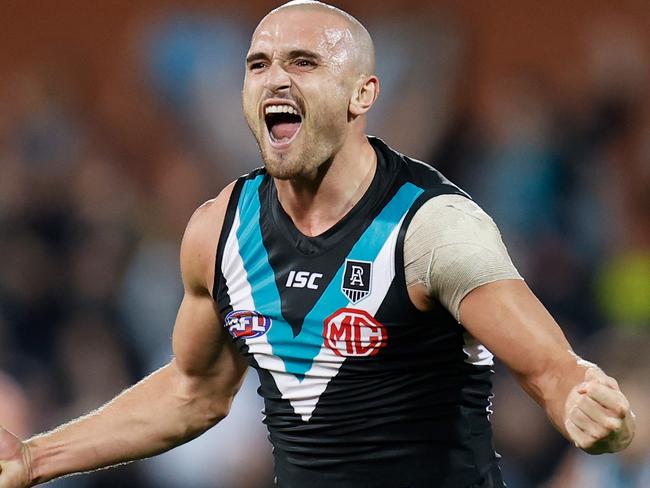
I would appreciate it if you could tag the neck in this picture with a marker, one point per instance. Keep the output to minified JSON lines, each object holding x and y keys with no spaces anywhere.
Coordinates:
{"x":317,"y":201}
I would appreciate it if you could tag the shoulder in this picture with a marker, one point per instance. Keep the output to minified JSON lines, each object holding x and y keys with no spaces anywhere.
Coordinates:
{"x":455,"y":247}
{"x":454,"y":204}
{"x":454,"y":217}
{"x":199,"y":244}
{"x":416,"y":172}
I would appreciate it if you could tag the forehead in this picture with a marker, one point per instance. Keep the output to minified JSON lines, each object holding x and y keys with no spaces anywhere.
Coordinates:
{"x":291,"y":29}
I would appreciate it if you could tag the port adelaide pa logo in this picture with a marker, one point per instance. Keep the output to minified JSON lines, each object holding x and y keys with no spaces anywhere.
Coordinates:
{"x":356,"y":280}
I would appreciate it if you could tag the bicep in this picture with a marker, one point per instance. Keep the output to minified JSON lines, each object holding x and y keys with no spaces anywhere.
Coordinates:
{"x":201,"y":345}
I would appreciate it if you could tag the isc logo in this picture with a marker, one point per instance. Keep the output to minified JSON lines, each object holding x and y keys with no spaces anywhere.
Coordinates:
{"x":246,"y":323}
{"x":351,"y":332}
{"x":303,"y":279}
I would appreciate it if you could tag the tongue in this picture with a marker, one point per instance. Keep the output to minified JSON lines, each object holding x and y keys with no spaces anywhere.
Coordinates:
{"x":284,"y":130}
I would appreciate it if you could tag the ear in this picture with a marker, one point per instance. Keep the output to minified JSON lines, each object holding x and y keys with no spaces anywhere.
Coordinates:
{"x":364,"y":95}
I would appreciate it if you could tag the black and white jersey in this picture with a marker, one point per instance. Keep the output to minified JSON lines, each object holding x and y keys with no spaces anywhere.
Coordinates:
{"x":361,"y":389}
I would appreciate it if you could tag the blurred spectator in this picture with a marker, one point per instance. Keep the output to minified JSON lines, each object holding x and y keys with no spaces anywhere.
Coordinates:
{"x":151,"y":290}
{"x":418,"y":60}
{"x":195,"y":65}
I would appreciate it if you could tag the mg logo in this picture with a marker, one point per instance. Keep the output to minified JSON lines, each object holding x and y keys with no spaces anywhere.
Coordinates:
{"x":354,"y":333}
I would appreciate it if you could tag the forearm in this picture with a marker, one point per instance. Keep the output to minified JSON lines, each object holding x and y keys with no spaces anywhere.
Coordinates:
{"x":584,"y":403}
{"x":160,"y":412}
{"x":551,"y":387}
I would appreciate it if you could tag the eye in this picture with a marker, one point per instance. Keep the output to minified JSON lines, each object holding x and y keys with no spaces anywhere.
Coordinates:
{"x":257,"y":65}
{"x":305,"y":63}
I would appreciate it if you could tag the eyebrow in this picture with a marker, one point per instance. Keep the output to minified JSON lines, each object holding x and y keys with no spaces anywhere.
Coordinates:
{"x":293,"y":54}
{"x":303,"y":53}
{"x":258,"y":56}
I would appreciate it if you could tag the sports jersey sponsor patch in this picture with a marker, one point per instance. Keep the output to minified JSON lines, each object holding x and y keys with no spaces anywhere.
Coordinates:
{"x":302,"y":279}
{"x":247,"y":323}
{"x":356,"y":280}
{"x":350,"y":332}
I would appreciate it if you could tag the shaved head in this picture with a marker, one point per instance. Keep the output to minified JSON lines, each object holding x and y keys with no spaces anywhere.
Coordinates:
{"x":363,"y":59}
{"x":309,"y":83}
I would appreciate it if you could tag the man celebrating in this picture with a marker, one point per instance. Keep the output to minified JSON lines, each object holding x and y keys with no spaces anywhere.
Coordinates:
{"x":365,"y":288}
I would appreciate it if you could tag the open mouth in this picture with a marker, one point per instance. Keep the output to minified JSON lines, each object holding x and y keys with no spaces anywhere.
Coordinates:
{"x":283,"y":122}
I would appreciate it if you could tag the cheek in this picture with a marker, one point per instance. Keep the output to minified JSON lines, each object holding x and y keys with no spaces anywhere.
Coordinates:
{"x":246,"y":101}
{"x":248,"y":98}
{"x":332,"y":100}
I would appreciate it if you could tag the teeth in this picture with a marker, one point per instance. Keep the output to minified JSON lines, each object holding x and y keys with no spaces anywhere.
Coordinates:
{"x":280,"y":109}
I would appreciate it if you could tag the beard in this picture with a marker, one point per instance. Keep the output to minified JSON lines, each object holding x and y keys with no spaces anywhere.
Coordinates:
{"x":321,"y":134}
{"x":299,"y":161}
{"x":312,"y":147}
{"x":284,"y":167}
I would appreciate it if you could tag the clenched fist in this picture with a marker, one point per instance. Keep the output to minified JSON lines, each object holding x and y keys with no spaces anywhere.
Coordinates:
{"x":14,"y":461}
{"x":597,"y":415}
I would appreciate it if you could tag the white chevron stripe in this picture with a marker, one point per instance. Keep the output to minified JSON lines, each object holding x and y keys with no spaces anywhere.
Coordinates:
{"x":477,"y":354}
{"x":302,"y":395}
{"x":232,"y":267}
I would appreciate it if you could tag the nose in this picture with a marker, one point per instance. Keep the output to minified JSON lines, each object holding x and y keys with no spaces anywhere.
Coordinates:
{"x":277,"y":79}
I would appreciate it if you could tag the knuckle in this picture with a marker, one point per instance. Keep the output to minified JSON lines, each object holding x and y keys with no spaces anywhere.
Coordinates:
{"x":603,"y":432}
{"x":620,"y":411}
{"x":613,"y":424}
{"x":577,"y":418}
{"x":583,"y":403}
{"x":626,"y":406}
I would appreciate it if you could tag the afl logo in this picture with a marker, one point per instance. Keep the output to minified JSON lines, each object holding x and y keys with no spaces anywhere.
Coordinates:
{"x":352,"y":332}
{"x":247,"y":324}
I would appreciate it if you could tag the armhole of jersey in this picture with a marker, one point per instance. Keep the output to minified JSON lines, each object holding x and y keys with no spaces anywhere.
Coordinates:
{"x":400,"y":273}
{"x":231,"y":210}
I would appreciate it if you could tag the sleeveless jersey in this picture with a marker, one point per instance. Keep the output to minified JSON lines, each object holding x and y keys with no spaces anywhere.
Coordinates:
{"x":361,"y":389}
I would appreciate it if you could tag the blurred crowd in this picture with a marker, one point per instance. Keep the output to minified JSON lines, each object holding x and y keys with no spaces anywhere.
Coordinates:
{"x":90,"y":230}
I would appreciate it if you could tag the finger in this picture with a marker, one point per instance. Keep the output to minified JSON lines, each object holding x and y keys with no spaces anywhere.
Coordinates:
{"x":612,"y":400}
{"x":599,"y":414}
{"x":580,"y":438}
{"x":587,"y":425}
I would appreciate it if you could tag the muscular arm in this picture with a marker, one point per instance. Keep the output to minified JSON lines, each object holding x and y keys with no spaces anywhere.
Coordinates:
{"x":171,"y":406}
{"x":580,"y":400}
{"x":454,"y":256}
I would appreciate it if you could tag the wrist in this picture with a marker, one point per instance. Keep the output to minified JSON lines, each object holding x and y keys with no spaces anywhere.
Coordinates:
{"x":27,"y":463}
{"x":35,"y":459}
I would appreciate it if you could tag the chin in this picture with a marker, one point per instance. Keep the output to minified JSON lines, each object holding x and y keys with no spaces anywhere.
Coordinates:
{"x":283,"y":172}
{"x":291,"y":163}
{"x":281,"y":167}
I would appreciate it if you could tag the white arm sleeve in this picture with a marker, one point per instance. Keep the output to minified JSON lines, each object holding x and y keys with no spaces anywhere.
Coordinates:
{"x":452,"y":247}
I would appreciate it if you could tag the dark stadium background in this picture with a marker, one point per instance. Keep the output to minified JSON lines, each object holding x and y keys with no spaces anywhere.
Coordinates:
{"x":118,"y":118}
